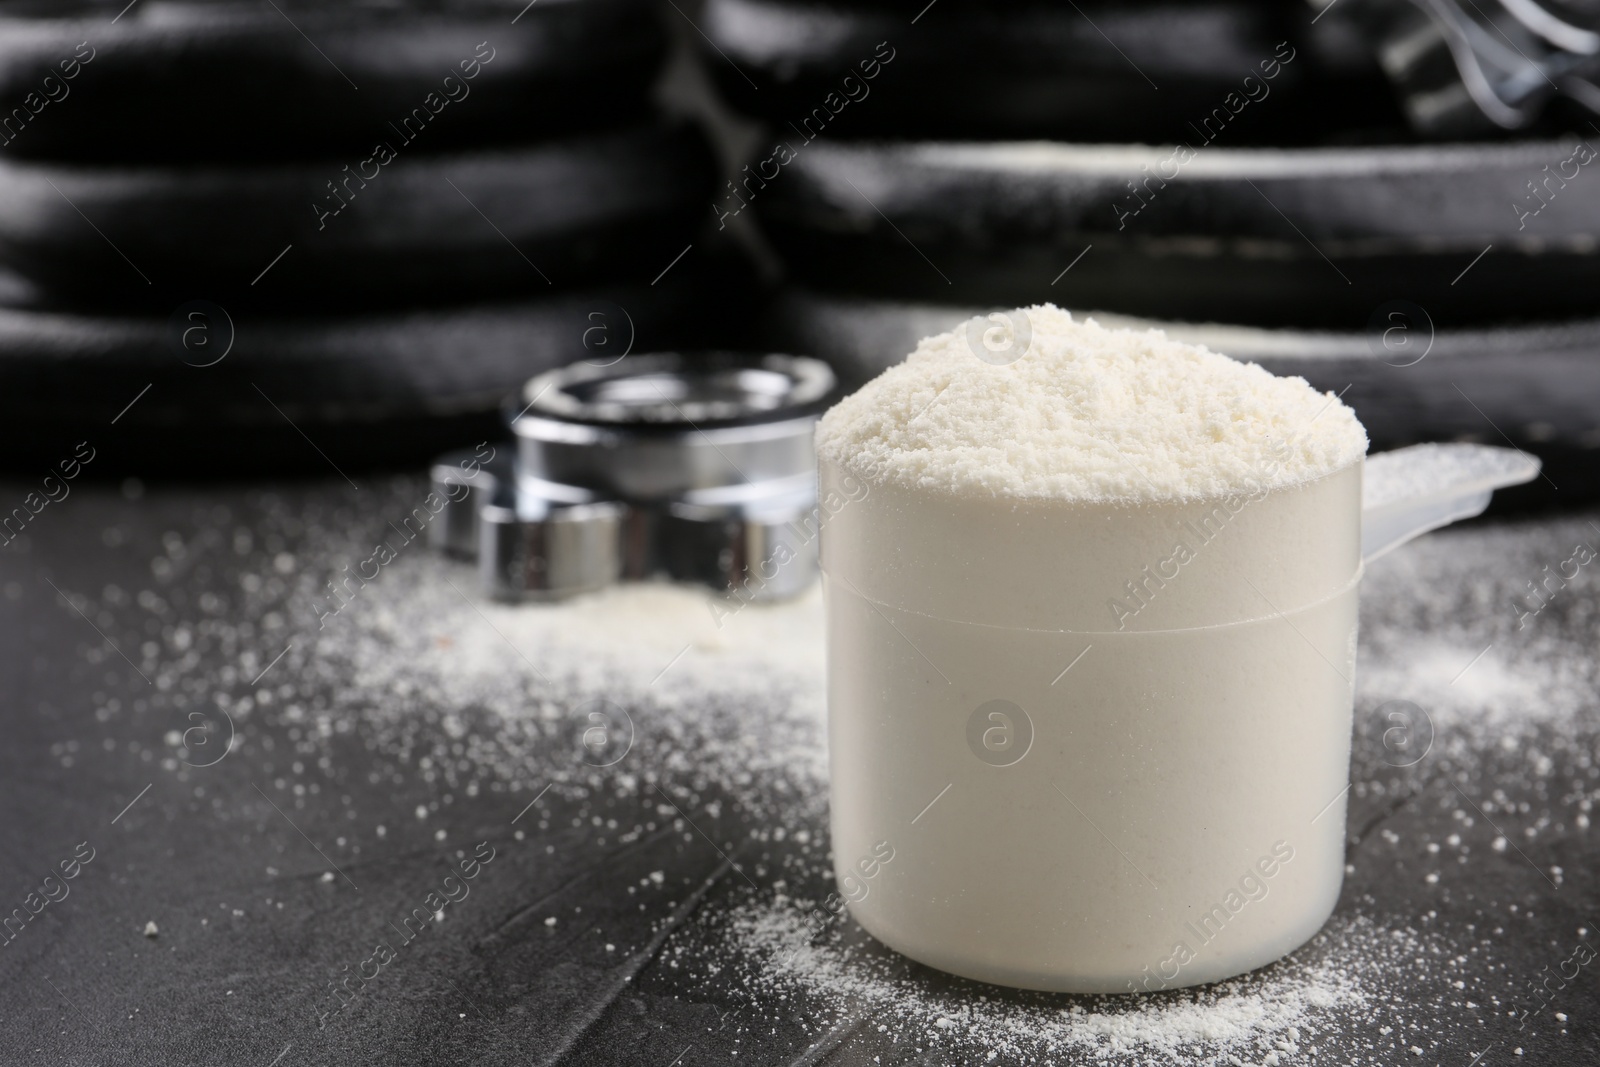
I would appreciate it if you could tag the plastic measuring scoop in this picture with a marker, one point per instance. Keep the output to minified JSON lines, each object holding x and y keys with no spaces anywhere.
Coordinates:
{"x":1409,"y":491}
{"x":1058,"y":734}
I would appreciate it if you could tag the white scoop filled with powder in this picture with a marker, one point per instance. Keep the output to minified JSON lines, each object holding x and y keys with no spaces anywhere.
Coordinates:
{"x":1092,"y":621}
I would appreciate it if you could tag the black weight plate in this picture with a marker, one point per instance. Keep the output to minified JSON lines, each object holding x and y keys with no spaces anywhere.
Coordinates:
{"x":1408,"y":377}
{"x":1097,"y":71}
{"x":433,"y":228}
{"x":1284,"y":237}
{"x":208,"y":390}
{"x":173,"y":80}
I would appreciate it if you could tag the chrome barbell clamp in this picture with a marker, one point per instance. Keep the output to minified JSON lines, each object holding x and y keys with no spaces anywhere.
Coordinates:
{"x":454,"y":531}
{"x":699,"y":468}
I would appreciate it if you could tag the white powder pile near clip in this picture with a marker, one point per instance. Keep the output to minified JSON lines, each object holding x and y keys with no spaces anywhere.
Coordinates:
{"x":1085,"y":413}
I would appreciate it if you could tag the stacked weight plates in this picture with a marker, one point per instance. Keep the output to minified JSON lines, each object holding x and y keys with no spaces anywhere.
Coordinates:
{"x":1268,"y":236}
{"x":1100,"y":70}
{"x":1200,"y":161}
{"x":343,"y":231}
{"x":223,"y":393}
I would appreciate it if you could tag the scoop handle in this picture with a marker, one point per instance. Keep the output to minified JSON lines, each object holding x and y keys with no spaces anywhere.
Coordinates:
{"x":1409,"y":491}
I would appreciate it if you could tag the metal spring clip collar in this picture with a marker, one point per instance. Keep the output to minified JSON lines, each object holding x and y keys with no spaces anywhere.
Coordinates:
{"x":699,"y":468}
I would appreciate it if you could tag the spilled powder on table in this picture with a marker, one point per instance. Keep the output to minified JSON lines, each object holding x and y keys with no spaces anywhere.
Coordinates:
{"x":468,"y":696}
{"x":1343,"y":981}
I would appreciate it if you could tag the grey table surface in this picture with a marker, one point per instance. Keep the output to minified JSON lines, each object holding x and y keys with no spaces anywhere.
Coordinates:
{"x":129,"y":618}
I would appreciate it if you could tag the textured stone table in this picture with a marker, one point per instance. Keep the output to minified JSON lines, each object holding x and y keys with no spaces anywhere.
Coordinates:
{"x":389,"y":739}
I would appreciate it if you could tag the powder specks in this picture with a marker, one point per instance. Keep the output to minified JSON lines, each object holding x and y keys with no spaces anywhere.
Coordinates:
{"x":1352,"y":973}
{"x":1445,"y":969}
{"x":1086,"y":413}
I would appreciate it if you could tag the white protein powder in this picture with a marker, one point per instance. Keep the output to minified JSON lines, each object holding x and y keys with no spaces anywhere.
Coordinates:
{"x":1091,"y":655}
{"x":1086,"y":414}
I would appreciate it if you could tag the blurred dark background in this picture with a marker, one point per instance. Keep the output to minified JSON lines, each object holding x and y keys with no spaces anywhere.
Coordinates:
{"x":279,"y":237}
